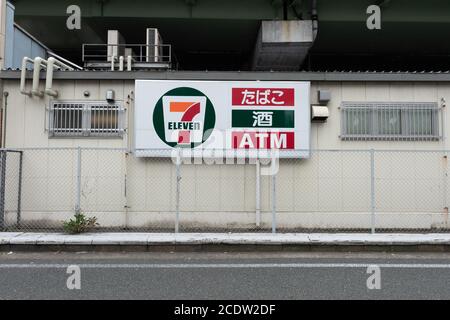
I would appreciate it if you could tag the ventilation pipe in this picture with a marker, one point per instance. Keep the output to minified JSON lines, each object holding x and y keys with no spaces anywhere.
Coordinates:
{"x":121,"y":63}
{"x":51,"y":65}
{"x":38,"y":64}
{"x":283,"y":45}
{"x":129,"y":58}
{"x":23,"y":76}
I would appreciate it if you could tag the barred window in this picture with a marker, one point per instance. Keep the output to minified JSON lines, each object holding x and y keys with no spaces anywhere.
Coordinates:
{"x":72,"y":119}
{"x":389,"y":121}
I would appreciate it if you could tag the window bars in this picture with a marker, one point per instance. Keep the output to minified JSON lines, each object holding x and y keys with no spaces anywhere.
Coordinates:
{"x":390,"y":121}
{"x":84,"y":119}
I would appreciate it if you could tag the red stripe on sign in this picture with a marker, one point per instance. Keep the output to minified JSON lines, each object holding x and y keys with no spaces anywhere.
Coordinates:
{"x":191,"y":112}
{"x":262,"y":140}
{"x":263,"y":97}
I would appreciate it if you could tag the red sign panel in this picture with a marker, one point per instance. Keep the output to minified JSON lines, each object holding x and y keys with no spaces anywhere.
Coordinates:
{"x":262,"y":140}
{"x":263,"y":97}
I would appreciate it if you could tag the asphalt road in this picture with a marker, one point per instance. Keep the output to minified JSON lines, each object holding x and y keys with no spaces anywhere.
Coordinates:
{"x":225,"y":276}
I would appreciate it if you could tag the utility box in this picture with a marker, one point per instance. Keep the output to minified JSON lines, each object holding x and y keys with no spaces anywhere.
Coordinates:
{"x":324,"y":96}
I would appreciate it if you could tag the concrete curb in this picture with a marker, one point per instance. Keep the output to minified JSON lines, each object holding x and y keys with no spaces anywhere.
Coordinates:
{"x":189,"y":239}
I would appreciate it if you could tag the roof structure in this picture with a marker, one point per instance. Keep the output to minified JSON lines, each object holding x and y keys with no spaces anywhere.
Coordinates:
{"x":391,"y":76}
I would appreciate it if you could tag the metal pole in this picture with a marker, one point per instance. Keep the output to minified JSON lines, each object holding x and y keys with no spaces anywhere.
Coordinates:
{"x":177,"y":209}
{"x":19,"y":200}
{"x":372,"y":189}
{"x":2,"y":188}
{"x":444,"y":182}
{"x":125,"y":190}
{"x":258,"y":193}
{"x":274,"y":204}
{"x":78,"y":200}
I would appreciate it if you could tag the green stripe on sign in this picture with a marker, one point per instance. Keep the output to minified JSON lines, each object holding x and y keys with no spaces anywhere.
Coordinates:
{"x":262,"y":119}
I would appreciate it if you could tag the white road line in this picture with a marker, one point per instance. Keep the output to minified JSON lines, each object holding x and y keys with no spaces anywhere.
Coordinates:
{"x":226,"y":266}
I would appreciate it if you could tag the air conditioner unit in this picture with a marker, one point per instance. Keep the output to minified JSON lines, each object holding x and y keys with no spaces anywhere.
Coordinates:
{"x":154,"y":42}
{"x":115,"y":45}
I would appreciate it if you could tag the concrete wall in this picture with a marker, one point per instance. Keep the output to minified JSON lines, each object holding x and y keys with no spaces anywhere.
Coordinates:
{"x":28,"y":121}
{"x":330,"y":190}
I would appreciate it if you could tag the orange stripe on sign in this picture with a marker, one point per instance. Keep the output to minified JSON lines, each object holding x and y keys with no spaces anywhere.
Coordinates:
{"x":180,"y":106}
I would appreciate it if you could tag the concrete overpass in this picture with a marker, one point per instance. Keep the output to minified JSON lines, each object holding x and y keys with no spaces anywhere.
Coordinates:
{"x":221,"y":35}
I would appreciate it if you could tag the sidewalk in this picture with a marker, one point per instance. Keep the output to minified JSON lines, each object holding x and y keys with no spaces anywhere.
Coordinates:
{"x":162,"y":239}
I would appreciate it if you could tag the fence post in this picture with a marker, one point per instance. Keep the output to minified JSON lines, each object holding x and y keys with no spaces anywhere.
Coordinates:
{"x":78,"y":199}
{"x":258,"y":193}
{"x":372,"y":189}
{"x":274,"y":203}
{"x":19,"y":196}
{"x":177,"y":204}
{"x":444,"y":182}
{"x":2,"y":188}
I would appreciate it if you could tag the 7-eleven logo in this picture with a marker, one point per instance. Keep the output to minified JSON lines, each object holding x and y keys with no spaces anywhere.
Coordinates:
{"x":184,"y":118}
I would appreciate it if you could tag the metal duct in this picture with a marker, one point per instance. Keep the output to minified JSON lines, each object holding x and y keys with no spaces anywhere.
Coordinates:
{"x":283,"y":45}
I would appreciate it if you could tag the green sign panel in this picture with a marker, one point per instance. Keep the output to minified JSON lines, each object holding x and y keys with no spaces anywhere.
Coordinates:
{"x":263,"y":119}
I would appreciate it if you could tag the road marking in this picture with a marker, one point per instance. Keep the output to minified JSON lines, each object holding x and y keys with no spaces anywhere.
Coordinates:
{"x":226,"y":266}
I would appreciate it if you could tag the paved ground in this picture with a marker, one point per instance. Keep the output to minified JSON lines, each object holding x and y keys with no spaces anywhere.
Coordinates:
{"x":224,"y":276}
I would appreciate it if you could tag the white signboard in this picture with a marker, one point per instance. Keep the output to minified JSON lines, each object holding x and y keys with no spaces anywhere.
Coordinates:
{"x":222,"y":115}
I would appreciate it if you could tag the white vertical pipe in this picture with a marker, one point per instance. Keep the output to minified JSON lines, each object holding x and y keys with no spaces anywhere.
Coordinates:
{"x":121,"y":63}
{"x":129,"y":63}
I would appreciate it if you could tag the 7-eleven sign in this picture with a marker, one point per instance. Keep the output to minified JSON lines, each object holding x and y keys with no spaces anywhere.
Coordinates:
{"x":184,"y":118}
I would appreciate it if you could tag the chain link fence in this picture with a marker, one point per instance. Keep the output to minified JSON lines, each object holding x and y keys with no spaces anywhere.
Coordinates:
{"x":331,"y":191}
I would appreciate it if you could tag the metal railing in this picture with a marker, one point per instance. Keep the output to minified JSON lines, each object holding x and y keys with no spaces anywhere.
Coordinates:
{"x":331,"y":191}
{"x":140,"y":53}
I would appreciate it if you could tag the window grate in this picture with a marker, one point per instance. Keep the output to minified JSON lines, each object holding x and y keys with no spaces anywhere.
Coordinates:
{"x":84,"y":119}
{"x":390,"y":121}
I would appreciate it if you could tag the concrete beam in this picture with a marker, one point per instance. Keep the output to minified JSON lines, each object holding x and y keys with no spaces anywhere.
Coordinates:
{"x":329,"y":10}
{"x":229,"y":9}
